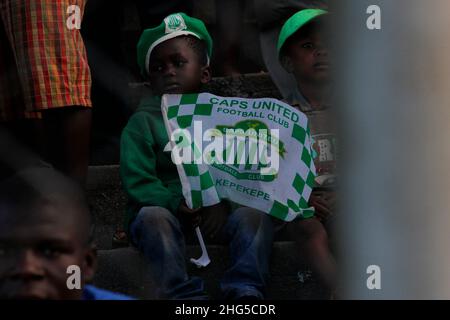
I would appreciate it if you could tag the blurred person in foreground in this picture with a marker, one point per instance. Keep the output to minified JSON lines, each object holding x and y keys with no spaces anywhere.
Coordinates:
{"x":45,"y":227}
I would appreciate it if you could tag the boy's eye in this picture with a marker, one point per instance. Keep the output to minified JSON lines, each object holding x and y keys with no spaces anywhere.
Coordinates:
{"x":180,"y":63}
{"x":307,"y":45}
{"x":51,"y":252}
{"x":156,"y":68}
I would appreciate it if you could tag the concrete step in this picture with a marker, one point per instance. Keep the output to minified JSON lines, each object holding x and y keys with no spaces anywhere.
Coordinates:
{"x":249,"y":85}
{"x":107,"y":200}
{"x":125,"y":270}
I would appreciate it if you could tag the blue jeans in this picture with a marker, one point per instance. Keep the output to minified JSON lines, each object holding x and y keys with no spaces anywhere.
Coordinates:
{"x":157,"y":233}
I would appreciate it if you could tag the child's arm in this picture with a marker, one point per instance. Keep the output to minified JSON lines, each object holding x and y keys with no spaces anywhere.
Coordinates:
{"x":192,"y":216}
{"x":138,"y":172}
{"x":324,"y":203}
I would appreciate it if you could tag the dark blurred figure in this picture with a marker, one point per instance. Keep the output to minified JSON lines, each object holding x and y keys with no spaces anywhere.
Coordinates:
{"x":152,"y":12}
{"x":45,"y":227}
{"x":230,"y":21}
{"x":111,"y":29}
{"x":45,"y":81}
{"x":103,"y":33}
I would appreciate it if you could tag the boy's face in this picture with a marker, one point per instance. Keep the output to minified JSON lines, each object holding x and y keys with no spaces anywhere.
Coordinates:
{"x":306,"y":55}
{"x":175,"y":68}
{"x":37,"y":244}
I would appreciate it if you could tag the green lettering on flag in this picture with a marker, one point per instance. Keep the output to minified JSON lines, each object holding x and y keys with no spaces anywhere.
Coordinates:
{"x":244,"y":175}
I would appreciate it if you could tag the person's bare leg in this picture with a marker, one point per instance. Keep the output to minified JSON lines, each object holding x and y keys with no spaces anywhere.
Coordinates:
{"x":68,"y":132}
{"x":78,"y":136}
{"x":312,"y":241}
{"x":230,"y":17}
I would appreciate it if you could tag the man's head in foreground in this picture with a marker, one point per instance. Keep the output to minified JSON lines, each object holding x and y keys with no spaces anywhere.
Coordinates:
{"x":44,"y":228}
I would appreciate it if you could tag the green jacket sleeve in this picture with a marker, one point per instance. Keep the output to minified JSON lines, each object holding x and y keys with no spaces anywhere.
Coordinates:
{"x":138,"y":169}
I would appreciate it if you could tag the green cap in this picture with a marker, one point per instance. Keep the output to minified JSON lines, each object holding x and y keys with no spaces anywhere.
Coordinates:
{"x":294,"y":23}
{"x":174,"y":25}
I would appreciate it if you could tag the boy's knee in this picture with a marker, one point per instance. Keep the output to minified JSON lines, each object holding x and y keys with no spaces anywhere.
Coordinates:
{"x":250,"y":218}
{"x":309,"y":230}
{"x":155,"y":216}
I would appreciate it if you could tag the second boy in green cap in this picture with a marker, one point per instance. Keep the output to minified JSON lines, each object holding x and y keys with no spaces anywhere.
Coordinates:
{"x":303,"y":52}
{"x":174,"y":57}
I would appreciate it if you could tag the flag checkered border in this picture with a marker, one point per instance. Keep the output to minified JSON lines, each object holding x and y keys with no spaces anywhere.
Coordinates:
{"x":202,"y":183}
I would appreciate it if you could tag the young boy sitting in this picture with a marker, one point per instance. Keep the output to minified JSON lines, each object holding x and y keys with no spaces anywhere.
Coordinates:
{"x":174,"y":57}
{"x":303,"y":52}
{"x":45,"y":227}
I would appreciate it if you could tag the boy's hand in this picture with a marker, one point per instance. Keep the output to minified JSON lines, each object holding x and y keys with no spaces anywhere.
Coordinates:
{"x":213,"y":218}
{"x":324,"y":203}
{"x":191,"y":215}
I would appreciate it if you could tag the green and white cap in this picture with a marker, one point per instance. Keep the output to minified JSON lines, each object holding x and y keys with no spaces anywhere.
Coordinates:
{"x":295,"y":23}
{"x":174,"y":25}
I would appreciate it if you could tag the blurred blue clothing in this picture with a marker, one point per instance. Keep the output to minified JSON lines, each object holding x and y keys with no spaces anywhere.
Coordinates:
{"x":93,"y":293}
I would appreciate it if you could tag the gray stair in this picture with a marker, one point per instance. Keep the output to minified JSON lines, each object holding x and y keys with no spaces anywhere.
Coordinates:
{"x":125,"y":270}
